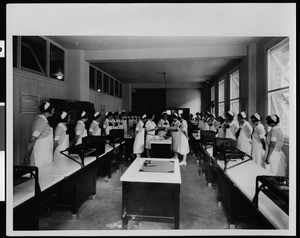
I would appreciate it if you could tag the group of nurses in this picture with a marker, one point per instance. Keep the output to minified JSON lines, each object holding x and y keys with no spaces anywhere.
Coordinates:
{"x":265,"y":149}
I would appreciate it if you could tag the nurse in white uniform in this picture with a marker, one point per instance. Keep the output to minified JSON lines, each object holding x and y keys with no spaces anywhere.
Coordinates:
{"x":221,"y":127}
{"x":275,"y":159}
{"x":107,"y":124}
{"x":183,"y":142}
{"x":40,"y":147}
{"x":80,"y":130}
{"x":206,"y":121}
{"x":163,"y":125}
{"x":258,"y":140}
{"x":61,"y":138}
{"x":150,"y":129}
{"x":174,"y":128}
{"x":243,"y":134}
{"x":213,"y":124}
{"x":232,"y":126}
{"x":95,"y":130}
{"x":139,"y":137}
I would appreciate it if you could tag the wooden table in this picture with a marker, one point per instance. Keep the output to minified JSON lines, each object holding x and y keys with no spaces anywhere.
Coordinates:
{"x":151,"y":192}
{"x":62,"y":182}
{"x":236,"y":190}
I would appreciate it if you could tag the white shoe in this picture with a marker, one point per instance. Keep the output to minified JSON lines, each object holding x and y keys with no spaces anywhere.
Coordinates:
{"x":182,"y":163}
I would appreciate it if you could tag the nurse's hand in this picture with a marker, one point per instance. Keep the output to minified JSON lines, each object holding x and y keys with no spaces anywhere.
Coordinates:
{"x":25,"y":160}
{"x":267,"y":161}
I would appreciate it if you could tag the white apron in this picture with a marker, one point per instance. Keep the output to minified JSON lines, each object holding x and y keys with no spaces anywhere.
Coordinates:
{"x":212,"y":128}
{"x":139,"y":142}
{"x":229,"y":134}
{"x":80,"y":138}
{"x":244,"y":142}
{"x":175,"y":135}
{"x":277,"y":164}
{"x":258,"y":153}
{"x":42,"y":152}
{"x":183,"y":144}
{"x":205,"y":126}
{"x":221,"y":133}
{"x":98,"y":132}
{"x":64,"y":145}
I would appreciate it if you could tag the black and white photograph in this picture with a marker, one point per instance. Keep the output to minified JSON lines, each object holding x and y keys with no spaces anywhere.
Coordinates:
{"x":150,"y":119}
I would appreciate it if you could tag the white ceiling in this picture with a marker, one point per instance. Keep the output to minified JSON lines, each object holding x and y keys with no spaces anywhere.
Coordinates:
{"x":143,"y":59}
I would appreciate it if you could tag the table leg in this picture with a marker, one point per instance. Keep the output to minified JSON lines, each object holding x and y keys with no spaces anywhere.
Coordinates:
{"x":124,"y":205}
{"x":176,"y":206}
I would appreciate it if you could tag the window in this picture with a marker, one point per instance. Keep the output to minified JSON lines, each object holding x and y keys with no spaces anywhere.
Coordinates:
{"x":212,"y":99}
{"x":99,"y":80}
{"x":111,"y":87}
{"x":221,"y":98}
{"x":56,"y":63}
{"x":116,"y":88}
{"x":235,"y":92}
{"x":278,"y":84}
{"x":92,"y":78}
{"x":33,"y":54}
{"x":105,"y":83}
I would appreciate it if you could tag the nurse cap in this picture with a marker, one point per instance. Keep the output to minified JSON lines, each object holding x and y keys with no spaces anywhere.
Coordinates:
{"x":144,"y":116}
{"x":212,"y":114}
{"x":274,"y":118}
{"x":257,"y":116}
{"x":231,"y":113}
{"x":96,"y":114}
{"x":165,"y":112}
{"x":83,"y":113}
{"x":175,"y":114}
{"x":47,"y":105}
{"x":243,"y":114}
{"x":63,"y":115}
{"x":107,"y":114}
{"x":179,"y":115}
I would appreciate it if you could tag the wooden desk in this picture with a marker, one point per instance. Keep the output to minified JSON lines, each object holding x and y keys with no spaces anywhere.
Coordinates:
{"x":160,"y":147}
{"x":236,"y":189}
{"x":62,"y":182}
{"x":151,"y":195}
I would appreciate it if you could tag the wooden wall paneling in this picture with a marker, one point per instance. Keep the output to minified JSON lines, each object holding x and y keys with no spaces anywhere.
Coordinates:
{"x":34,"y":87}
{"x":42,"y":90}
{"x":49,"y":91}
{"x":55,"y":89}
{"x":61,"y":92}
{"x":25,"y":85}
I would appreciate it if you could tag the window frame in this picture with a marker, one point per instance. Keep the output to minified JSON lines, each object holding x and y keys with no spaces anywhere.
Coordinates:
{"x":221,"y":80}
{"x":233,"y":99}
{"x":282,"y":43}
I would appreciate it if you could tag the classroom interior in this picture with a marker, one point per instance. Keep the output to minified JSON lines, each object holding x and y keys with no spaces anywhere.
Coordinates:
{"x":149,"y":74}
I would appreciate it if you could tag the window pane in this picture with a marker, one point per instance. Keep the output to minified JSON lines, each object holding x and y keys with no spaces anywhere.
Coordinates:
{"x":279,"y":105}
{"x":235,"y":106}
{"x":111,"y":87}
{"x":105,"y":83}
{"x":116,"y":88}
{"x":235,"y":85}
{"x":15,"y":51}
{"x":221,"y":109}
{"x":33,"y":53}
{"x":99,"y":81}
{"x":221,"y":91}
{"x":212,"y":93}
{"x":92,"y":78}
{"x":278,"y":67}
{"x":56,"y":63}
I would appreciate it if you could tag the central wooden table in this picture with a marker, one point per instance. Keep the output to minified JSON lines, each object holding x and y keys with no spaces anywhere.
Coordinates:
{"x":152,"y":191}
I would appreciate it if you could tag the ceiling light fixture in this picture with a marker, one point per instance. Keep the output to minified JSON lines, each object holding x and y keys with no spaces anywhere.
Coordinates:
{"x":59,"y":76}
